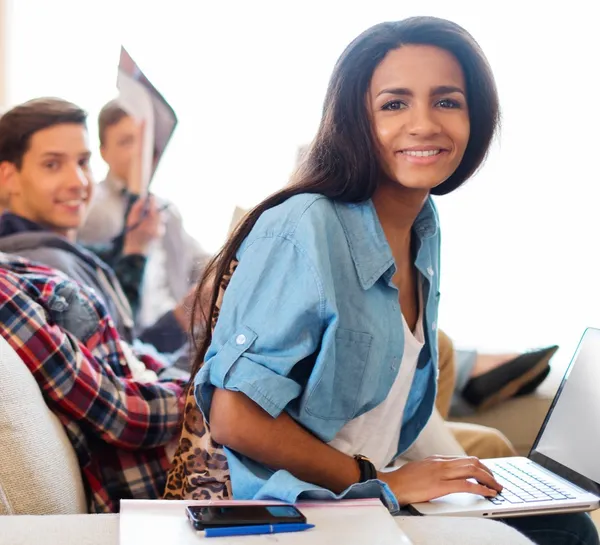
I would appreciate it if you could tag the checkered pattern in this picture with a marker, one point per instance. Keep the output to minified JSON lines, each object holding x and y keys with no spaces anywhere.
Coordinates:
{"x":118,"y":426}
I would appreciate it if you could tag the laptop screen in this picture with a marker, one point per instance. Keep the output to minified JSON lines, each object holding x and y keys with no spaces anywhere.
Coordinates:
{"x":569,"y":441}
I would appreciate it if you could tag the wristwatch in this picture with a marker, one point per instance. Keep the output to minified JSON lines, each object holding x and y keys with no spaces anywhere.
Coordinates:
{"x":366,"y":467}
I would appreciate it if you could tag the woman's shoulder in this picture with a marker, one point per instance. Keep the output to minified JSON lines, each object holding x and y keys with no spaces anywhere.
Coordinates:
{"x":298,"y":217}
{"x":308,"y":221}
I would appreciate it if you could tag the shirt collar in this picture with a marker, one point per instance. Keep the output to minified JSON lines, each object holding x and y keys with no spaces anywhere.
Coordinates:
{"x":115,"y":183}
{"x":370,"y":251}
{"x":11,"y":224}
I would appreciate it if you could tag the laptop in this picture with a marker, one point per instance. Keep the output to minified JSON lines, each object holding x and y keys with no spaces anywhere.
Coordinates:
{"x":562,"y":472}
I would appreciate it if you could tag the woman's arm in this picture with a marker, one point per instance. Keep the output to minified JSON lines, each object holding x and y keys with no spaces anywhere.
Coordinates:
{"x":247,"y":381}
{"x":280,"y":443}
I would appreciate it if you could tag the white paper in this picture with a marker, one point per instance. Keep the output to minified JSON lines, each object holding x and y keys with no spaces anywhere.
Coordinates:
{"x":137,"y":102}
{"x":360,"y":522}
{"x":142,"y":100}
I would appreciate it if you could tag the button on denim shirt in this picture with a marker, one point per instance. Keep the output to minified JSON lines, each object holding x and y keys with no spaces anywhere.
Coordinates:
{"x":311,"y":324}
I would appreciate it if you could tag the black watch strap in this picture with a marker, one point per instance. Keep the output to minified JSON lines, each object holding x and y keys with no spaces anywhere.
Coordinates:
{"x":366,"y":467}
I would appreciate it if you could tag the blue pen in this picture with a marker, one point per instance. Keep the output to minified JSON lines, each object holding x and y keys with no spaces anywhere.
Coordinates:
{"x":256,"y":530}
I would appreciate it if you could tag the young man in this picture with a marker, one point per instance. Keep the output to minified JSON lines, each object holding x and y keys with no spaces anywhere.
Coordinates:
{"x":176,"y":260}
{"x":44,"y":159}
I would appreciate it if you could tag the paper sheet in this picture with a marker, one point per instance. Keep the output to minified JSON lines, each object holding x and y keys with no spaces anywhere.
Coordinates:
{"x":136,"y":101}
{"x":353,"y":522}
{"x":140,"y":98}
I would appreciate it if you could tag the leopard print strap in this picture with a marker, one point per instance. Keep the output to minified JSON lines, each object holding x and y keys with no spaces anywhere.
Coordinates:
{"x":199,"y":470}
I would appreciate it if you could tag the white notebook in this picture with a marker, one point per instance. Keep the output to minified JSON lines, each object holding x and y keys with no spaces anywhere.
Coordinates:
{"x":352,"y":522}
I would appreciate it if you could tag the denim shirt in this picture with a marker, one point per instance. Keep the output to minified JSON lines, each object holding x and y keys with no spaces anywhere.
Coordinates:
{"x":311,"y":324}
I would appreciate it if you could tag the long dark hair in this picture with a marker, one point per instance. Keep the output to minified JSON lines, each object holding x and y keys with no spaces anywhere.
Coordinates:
{"x":342,"y":163}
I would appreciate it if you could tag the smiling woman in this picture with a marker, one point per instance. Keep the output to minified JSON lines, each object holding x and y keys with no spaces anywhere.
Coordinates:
{"x":425,"y":126}
{"x":320,"y":368}
{"x":316,"y":340}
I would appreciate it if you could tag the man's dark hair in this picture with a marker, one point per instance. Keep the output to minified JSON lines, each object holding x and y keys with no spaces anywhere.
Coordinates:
{"x":19,"y":124}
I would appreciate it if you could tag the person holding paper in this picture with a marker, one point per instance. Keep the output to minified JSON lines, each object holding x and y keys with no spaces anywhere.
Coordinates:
{"x":320,"y":371}
{"x":176,"y":260}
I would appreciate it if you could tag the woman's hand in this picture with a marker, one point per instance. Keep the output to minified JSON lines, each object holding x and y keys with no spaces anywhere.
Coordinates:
{"x":440,"y":475}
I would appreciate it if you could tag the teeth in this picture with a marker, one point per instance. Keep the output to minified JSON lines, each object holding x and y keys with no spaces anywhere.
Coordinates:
{"x":428,"y":153}
{"x":72,"y":203}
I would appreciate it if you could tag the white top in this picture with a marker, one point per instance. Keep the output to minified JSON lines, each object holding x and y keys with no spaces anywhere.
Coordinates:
{"x":376,"y":433}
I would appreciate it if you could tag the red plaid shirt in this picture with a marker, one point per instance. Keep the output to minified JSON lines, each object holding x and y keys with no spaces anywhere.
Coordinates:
{"x":119,"y":426}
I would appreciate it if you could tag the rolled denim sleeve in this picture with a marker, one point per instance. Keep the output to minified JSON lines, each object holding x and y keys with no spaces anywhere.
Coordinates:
{"x":272,"y":318}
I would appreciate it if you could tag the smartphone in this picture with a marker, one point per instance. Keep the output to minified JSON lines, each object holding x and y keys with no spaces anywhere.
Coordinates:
{"x":211,"y":516}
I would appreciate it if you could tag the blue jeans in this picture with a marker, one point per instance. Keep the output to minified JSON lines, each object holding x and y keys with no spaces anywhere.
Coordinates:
{"x":464,"y":363}
{"x":568,"y":529}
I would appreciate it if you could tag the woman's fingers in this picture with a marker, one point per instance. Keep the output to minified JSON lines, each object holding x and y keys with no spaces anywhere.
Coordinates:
{"x":470,"y":470}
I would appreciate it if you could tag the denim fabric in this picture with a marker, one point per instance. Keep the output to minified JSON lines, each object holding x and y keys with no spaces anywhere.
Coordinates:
{"x":566,"y":529}
{"x":465,"y":361}
{"x":311,"y":324}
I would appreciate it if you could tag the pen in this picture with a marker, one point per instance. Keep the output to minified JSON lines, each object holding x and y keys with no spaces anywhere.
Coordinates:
{"x":256,"y":530}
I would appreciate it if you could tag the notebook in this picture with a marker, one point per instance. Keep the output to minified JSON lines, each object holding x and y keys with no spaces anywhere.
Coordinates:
{"x":350,"y":522}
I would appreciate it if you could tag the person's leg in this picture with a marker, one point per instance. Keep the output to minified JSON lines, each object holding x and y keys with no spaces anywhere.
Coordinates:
{"x":475,"y":440}
{"x":481,"y":441}
{"x":498,"y":377}
{"x":484,"y":380}
{"x":466,"y":360}
{"x":447,"y":375}
{"x":567,"y":529}
{"x":465,"y":363}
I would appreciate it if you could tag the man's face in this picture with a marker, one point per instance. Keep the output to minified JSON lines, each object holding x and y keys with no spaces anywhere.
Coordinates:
{"x":54,"y":184}
{"x":118,"y":147}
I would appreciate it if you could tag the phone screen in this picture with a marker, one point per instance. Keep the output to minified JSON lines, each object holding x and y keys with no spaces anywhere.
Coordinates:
{"x":243,"y":515}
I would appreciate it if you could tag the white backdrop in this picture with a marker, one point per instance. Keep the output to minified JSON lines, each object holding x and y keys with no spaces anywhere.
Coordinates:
{"x":247,"y":79}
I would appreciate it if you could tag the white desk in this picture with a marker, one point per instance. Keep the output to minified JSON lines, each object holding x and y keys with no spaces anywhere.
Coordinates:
{"x":104,"y":530}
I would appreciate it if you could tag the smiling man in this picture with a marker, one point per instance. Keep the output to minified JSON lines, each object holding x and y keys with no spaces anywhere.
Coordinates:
{"x":50,"y":179}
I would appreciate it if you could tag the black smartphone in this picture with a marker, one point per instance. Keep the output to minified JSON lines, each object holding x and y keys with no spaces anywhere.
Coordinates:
{"x":211,"y":516}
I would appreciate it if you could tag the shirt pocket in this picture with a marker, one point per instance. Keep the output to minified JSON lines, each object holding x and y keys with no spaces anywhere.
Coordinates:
{"x":337,"y":391}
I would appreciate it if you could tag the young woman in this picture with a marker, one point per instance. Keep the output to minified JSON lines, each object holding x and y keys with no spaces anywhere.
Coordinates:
{"x":321,"y":366}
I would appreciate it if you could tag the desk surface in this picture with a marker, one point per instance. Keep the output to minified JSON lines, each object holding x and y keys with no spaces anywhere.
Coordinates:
{"x":104,"y":530}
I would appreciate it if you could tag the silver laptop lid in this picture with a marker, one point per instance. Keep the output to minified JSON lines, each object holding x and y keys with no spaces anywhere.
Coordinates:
{"x":568,"y":443}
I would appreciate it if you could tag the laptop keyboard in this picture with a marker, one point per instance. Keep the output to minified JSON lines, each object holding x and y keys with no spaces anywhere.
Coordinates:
{"x":522,"y":487}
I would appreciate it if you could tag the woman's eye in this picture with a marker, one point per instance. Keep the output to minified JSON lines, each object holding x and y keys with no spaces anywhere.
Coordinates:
{"x":394,"y":105}
{"x":448,"y":103}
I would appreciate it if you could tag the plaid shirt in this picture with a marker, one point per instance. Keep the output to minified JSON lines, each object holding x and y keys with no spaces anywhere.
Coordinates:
{"x":118,"y":426}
